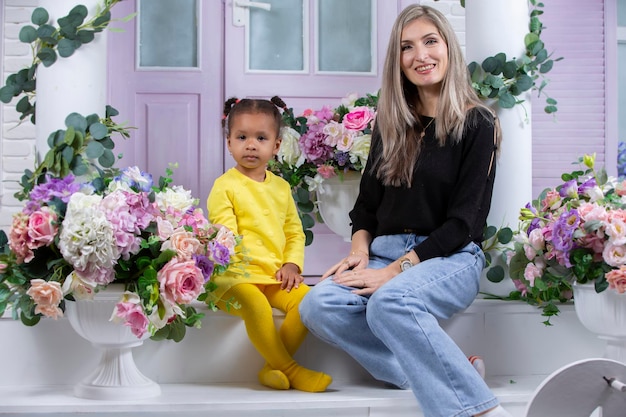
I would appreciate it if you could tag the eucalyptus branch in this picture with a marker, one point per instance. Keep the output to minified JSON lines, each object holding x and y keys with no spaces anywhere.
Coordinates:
{"x":47,"y":43}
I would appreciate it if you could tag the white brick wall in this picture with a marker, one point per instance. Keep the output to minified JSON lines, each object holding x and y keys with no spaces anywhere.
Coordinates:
{"x":17,"y":141}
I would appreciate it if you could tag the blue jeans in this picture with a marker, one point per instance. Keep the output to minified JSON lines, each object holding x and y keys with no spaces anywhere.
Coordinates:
{"x":395,"y":334}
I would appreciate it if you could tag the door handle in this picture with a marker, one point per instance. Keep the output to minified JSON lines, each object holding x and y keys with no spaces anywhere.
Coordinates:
{"x":241,"y":10}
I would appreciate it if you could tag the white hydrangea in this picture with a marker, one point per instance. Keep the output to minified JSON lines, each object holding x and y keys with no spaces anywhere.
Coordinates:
{"x":86,"y":240}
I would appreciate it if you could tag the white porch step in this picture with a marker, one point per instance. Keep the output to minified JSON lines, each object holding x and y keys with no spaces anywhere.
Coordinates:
{"x":213,"y":370}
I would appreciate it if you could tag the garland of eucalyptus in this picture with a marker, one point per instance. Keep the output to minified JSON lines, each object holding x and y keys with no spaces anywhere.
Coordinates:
{"x":87,"y":138}
{"x":504,"y":80}
{"x":47,"y":44}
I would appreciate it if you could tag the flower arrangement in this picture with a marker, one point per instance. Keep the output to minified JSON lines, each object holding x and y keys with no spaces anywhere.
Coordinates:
{"x":324,"y":143}
{"x":575,"y":232}
{"x":77,"y":234}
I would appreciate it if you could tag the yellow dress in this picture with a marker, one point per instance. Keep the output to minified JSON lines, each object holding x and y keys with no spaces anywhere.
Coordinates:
{"x":265,"y":215}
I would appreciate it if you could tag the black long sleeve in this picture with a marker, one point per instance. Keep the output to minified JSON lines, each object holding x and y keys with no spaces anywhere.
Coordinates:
{"x":450,"y":196}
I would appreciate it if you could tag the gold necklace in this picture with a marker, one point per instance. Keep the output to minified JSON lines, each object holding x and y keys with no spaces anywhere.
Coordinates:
{"x":426,"y":127}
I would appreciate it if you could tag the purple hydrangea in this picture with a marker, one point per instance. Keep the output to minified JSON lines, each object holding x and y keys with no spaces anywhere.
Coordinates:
{"x":61,"y":188}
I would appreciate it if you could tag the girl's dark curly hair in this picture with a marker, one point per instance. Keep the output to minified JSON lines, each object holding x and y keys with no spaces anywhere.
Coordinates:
{"x":234,"y":106}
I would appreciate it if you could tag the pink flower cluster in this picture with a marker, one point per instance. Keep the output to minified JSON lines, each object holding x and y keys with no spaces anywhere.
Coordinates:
{"x":575,"y":232}
{"x":153,"y":239}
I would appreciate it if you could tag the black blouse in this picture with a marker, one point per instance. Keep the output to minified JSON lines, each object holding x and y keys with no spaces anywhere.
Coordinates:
{"x":450,"y":196}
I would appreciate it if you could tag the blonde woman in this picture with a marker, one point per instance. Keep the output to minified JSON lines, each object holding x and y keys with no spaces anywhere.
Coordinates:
{"x":417,"y":226}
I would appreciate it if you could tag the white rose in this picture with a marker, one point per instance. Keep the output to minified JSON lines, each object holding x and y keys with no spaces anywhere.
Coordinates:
{"x":176,"y":197}
{"x":289,"y":151}
{"x":361,"y":148}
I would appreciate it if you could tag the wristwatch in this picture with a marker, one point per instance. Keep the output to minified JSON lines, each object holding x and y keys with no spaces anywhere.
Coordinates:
{"x":405,"y":263}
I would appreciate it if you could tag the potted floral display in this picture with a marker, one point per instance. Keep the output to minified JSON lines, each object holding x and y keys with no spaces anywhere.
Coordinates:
{"x":323,"y":144}
{"x":84,"y":227}
{"x":571,"y":235}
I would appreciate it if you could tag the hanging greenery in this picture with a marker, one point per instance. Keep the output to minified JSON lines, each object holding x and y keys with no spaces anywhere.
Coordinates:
{"x":48,"y":43}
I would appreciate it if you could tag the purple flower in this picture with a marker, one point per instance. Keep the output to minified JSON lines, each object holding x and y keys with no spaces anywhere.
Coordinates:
{"x":584,"y":188}
{"x":205,"y":265}
{"x":61,"y":188}
{"x":342,"y":158}
{"x":569,"y":189}
{"x":563,"y":231}
{"x":136,"y":179}
{"x":218,"y":253}
{"x":314,"y":148}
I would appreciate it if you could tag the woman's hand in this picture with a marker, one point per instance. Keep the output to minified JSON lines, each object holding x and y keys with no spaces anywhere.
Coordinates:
{"x":365,"y":281}
{"x":357,"y":259}
{"x":289,"y":276}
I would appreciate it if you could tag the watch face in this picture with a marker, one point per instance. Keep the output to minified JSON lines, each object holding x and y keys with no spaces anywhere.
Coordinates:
{"x":405,"y":264}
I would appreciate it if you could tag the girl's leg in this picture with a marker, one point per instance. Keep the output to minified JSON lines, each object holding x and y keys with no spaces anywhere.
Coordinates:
{"x":257,"y":315}
{"x":292,"y":332}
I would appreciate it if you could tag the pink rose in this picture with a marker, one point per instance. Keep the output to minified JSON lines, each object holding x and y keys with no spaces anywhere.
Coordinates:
{"x":181,"y":281}
{"x":133,"y":317}
{"x":358,"y":118}
{"x":326,"y":171}
{"x":42,"y":227}
{"x":532,"y":272}
{"x":617,"y":279}
{"x":18,"y":238}
{"x":184,"y":243}
{"x":3,"y":267}
{"x":47,"y":296}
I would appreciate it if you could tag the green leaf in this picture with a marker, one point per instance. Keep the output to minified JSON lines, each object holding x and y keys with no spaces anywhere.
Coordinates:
{"x":46,"y":33}
{"x":40,"y":16}
{"x":495,"y":274}
{"x":85,"y":36}
{"x":68,"y":154}
{"x":78,"y":121}
{"x":506,"y":101}
{"x":98,"y":130}
{"x":107,"y":159}
{"x":23,"y":105}
{"x":28,"y":34}
{"x":66,"y":48}
{"x":546,"y":66}
{"x":78,"y":166}
{"x":505,"y":235}
{"x":47,"y":56}
{"x":524,"y":83}
{"x":94,"y":150}
{"x":69,"y":136}
{"x":492,"y":65}
{"x":79,"y":11}
{"x":7,"y":93}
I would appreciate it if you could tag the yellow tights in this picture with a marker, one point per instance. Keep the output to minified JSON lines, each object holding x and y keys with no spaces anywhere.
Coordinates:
{"x":277,"y":347}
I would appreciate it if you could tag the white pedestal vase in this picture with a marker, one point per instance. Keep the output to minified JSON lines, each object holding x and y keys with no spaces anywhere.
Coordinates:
{"x":494,"y":26}
{"x":605,"y":315}
{"x":76,"y":84}
{"x":337,"y":200}
{"x":116,"y":377}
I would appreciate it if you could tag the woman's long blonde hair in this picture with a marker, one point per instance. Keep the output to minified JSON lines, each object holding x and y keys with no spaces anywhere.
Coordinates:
{"x":397,"y":120}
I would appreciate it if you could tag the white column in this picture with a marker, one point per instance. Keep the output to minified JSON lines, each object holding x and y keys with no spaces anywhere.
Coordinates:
{"x":494,"y":26}
{"x":73,"y":84}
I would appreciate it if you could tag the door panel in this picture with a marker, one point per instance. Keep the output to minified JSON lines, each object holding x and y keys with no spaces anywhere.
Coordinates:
{"x":171,"y":92}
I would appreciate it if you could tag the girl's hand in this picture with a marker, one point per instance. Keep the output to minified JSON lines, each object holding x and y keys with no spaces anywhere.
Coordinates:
{"x":289,"y":276}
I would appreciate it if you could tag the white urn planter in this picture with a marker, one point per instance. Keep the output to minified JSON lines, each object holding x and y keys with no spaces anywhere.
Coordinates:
{"x":337,"y":200}
{"x":604,"y":314}
{"x":116,"y":377}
